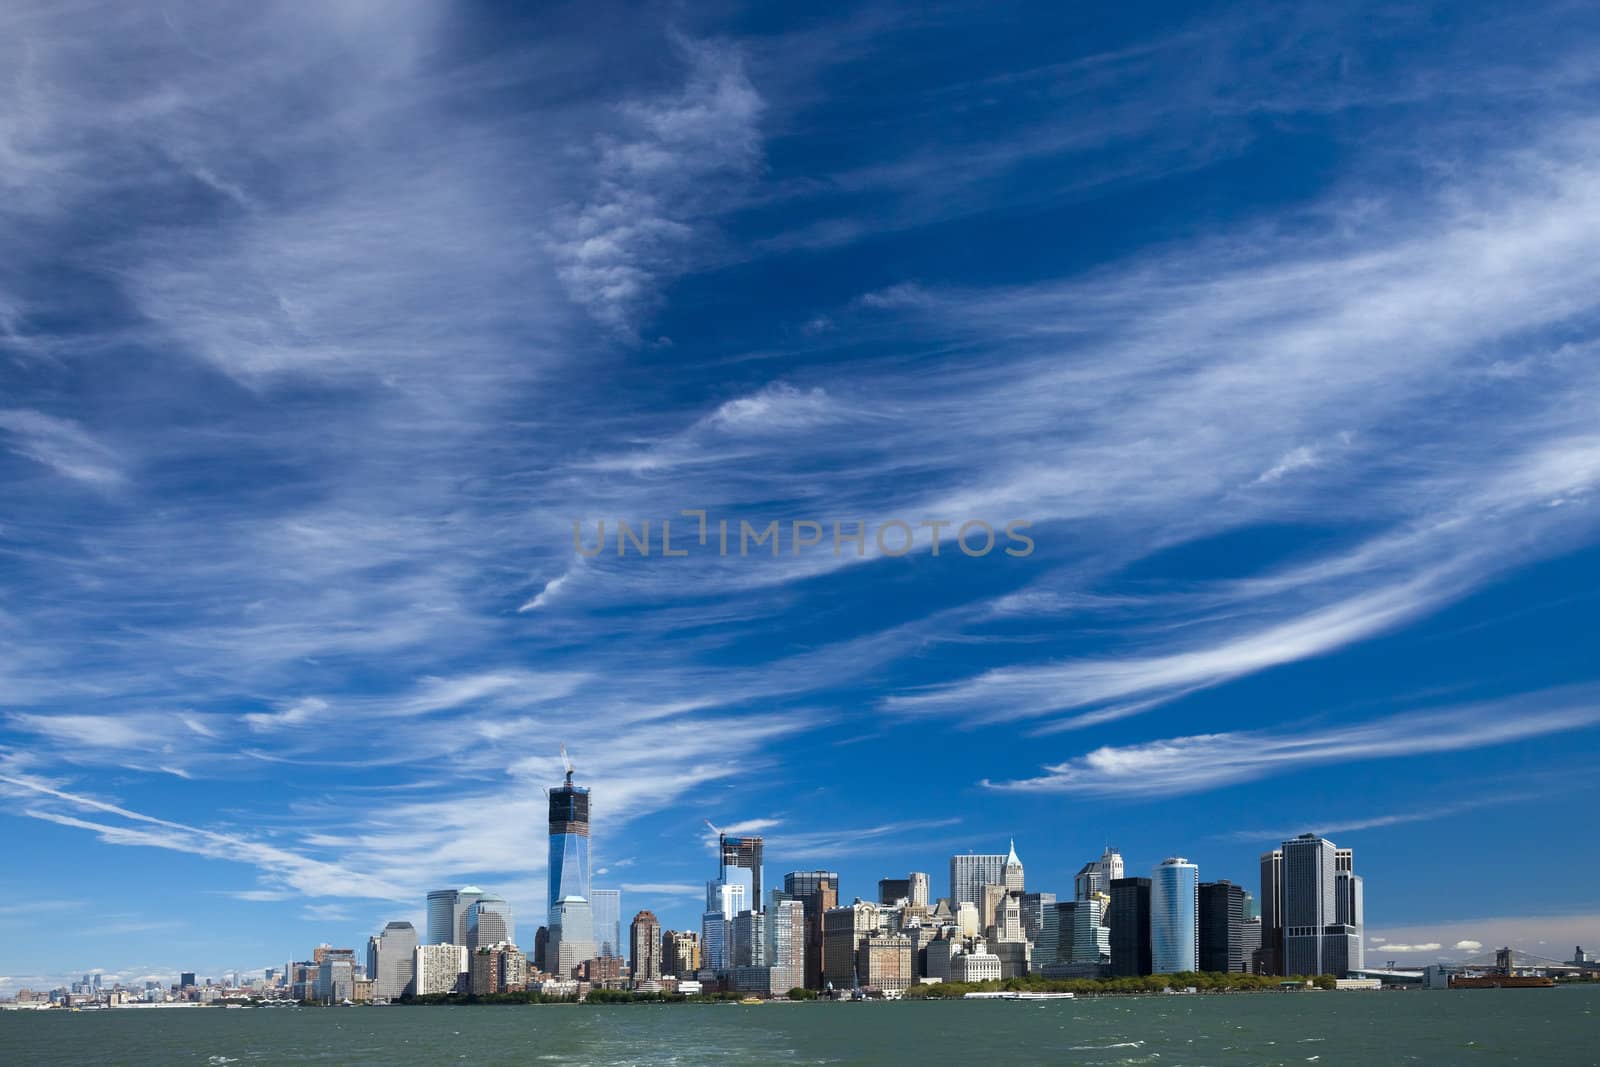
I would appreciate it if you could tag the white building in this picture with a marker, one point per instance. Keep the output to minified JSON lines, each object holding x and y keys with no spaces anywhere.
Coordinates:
{"x":980,"y":965}
{"x":440,"y":968}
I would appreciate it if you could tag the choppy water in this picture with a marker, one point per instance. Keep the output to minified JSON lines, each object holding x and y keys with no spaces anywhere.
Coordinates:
{"x":1489,"y":1027}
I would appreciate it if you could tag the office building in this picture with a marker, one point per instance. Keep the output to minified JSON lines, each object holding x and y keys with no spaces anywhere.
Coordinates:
{"x":489,"y":922}
{"x":979,"y":965}
{"x":335,"y":974}
{"x":644,"y":942}
{"x":1095,"y":877}
{"x":1349,"y":893}
{"x":1091,"y":938}
{"x":741,"y":862}
{"x":893,"y":890}
{"x":568,"y":872}
{"x":817,"y":891}
{"x":447,"y":914}
{"x":440,"y":968}
{"x":749,"y":940}
{"x":921,"y":888}
{"x":606,"y":907}
{"x":1269,"y":958}
{"x":970,"y":873}
{"x":1316,"y":940}
{"x":571,"y":936}
{"x":1011,"y":871}
{"x":391,"y":961}
{"x":1175,"y":916}
{"x":1130,"y":928}
{"x":844,"y":930}
{"x":680,"y":953}
{"x":786,"y":945}
{"x":886,"y":963}
{"x":1040,"y":926}
{"x":1222,"y":917}
{"x":498,"y":968}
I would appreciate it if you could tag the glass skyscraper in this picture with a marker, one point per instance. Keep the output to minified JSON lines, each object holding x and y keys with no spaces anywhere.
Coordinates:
{"x":569,"y":843}
{"x":606,"y":907}
{"x":1175,"y":916}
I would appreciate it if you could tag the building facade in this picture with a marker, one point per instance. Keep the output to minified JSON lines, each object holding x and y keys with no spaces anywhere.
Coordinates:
{"x":440,"y":968}
{"x":817,"y":891}
{"x":1131,"y":956}
{"x":571,"y":936}
{"x":1175,"y":916}
{"x":644,"y":942}
{"x":489,"y":922}
{"x":391,"y":962}
{"x":1222,"y":919}
{"x":970,"y":873}
{"x":605,"y":905}
{"x":568,"y":871}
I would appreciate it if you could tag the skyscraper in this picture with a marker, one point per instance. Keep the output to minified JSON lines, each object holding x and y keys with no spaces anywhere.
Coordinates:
{"x":1011,"y":871}
{"x":1350,"y":892}
{"x":569,"y":843}
{"x":1130,"y":927}
{"x":571,"y":936}
{"x":817,"y":891}
{"x":1174,"y":916}
{"x":466,"y":896}
{"x":741,"y":854}
{"x":1097,"y":875}
{"x":1269,"y":958}
{"x":1222,"y":917}
{"x":442,"y":916}
{"x":920,"y":885}
{"x":606,"y":907}
{"x":1091,"y":939}
{"x":391,"y":961}
{"x":644,"y":937}
{"x":786,"y":945}
{"x":1039,"y":924}
{"x":1310,"y":905}
{"x":489,"y":922}
{"x":893,"y":890}
{"x":970,"y":873}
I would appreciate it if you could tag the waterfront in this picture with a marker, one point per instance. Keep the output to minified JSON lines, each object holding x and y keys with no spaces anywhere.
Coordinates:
{"x":1547,"y":1027}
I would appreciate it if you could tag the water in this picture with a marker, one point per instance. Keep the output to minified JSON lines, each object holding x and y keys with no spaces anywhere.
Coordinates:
{"x":1489,"y":1027}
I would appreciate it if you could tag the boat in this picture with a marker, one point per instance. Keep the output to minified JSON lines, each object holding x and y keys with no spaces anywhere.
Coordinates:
{"x":1501,"y":981}
{"x":750,"y":1000}
{"x":1016,"y":994}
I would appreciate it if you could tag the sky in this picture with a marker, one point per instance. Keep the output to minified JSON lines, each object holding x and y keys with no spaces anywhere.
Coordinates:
{"x":329,"y":335}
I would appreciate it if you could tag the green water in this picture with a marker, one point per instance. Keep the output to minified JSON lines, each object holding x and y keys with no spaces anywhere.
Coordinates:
{"x":1557,"y":1026}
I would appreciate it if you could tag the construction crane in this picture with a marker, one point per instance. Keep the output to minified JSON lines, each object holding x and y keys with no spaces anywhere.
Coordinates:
{"x":714,"y":828}
{"x":566,"y":761}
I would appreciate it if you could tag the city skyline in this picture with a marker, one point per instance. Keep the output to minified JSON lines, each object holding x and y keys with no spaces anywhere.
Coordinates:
{"x":329,"y":335}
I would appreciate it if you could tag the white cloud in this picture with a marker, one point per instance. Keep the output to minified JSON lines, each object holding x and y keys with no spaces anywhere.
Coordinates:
{"x":62,"y":445}
{"x":657,"y":183}
{"x":1467,"y":946}
{"x":1210,"y":761}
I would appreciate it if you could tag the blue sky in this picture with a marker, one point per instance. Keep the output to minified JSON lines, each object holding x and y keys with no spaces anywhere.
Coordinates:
{"x":319,"y":328}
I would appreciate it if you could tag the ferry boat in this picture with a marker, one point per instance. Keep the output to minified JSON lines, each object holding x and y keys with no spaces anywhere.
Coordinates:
{"x":1016,"y":994}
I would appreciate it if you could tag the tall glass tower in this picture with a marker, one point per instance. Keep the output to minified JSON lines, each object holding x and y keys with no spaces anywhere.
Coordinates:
{"x":1175,"y":916}
{"x":569,"y":842}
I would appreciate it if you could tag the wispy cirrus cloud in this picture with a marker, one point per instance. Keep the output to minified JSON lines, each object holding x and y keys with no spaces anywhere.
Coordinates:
{"x":1201,"y":762}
